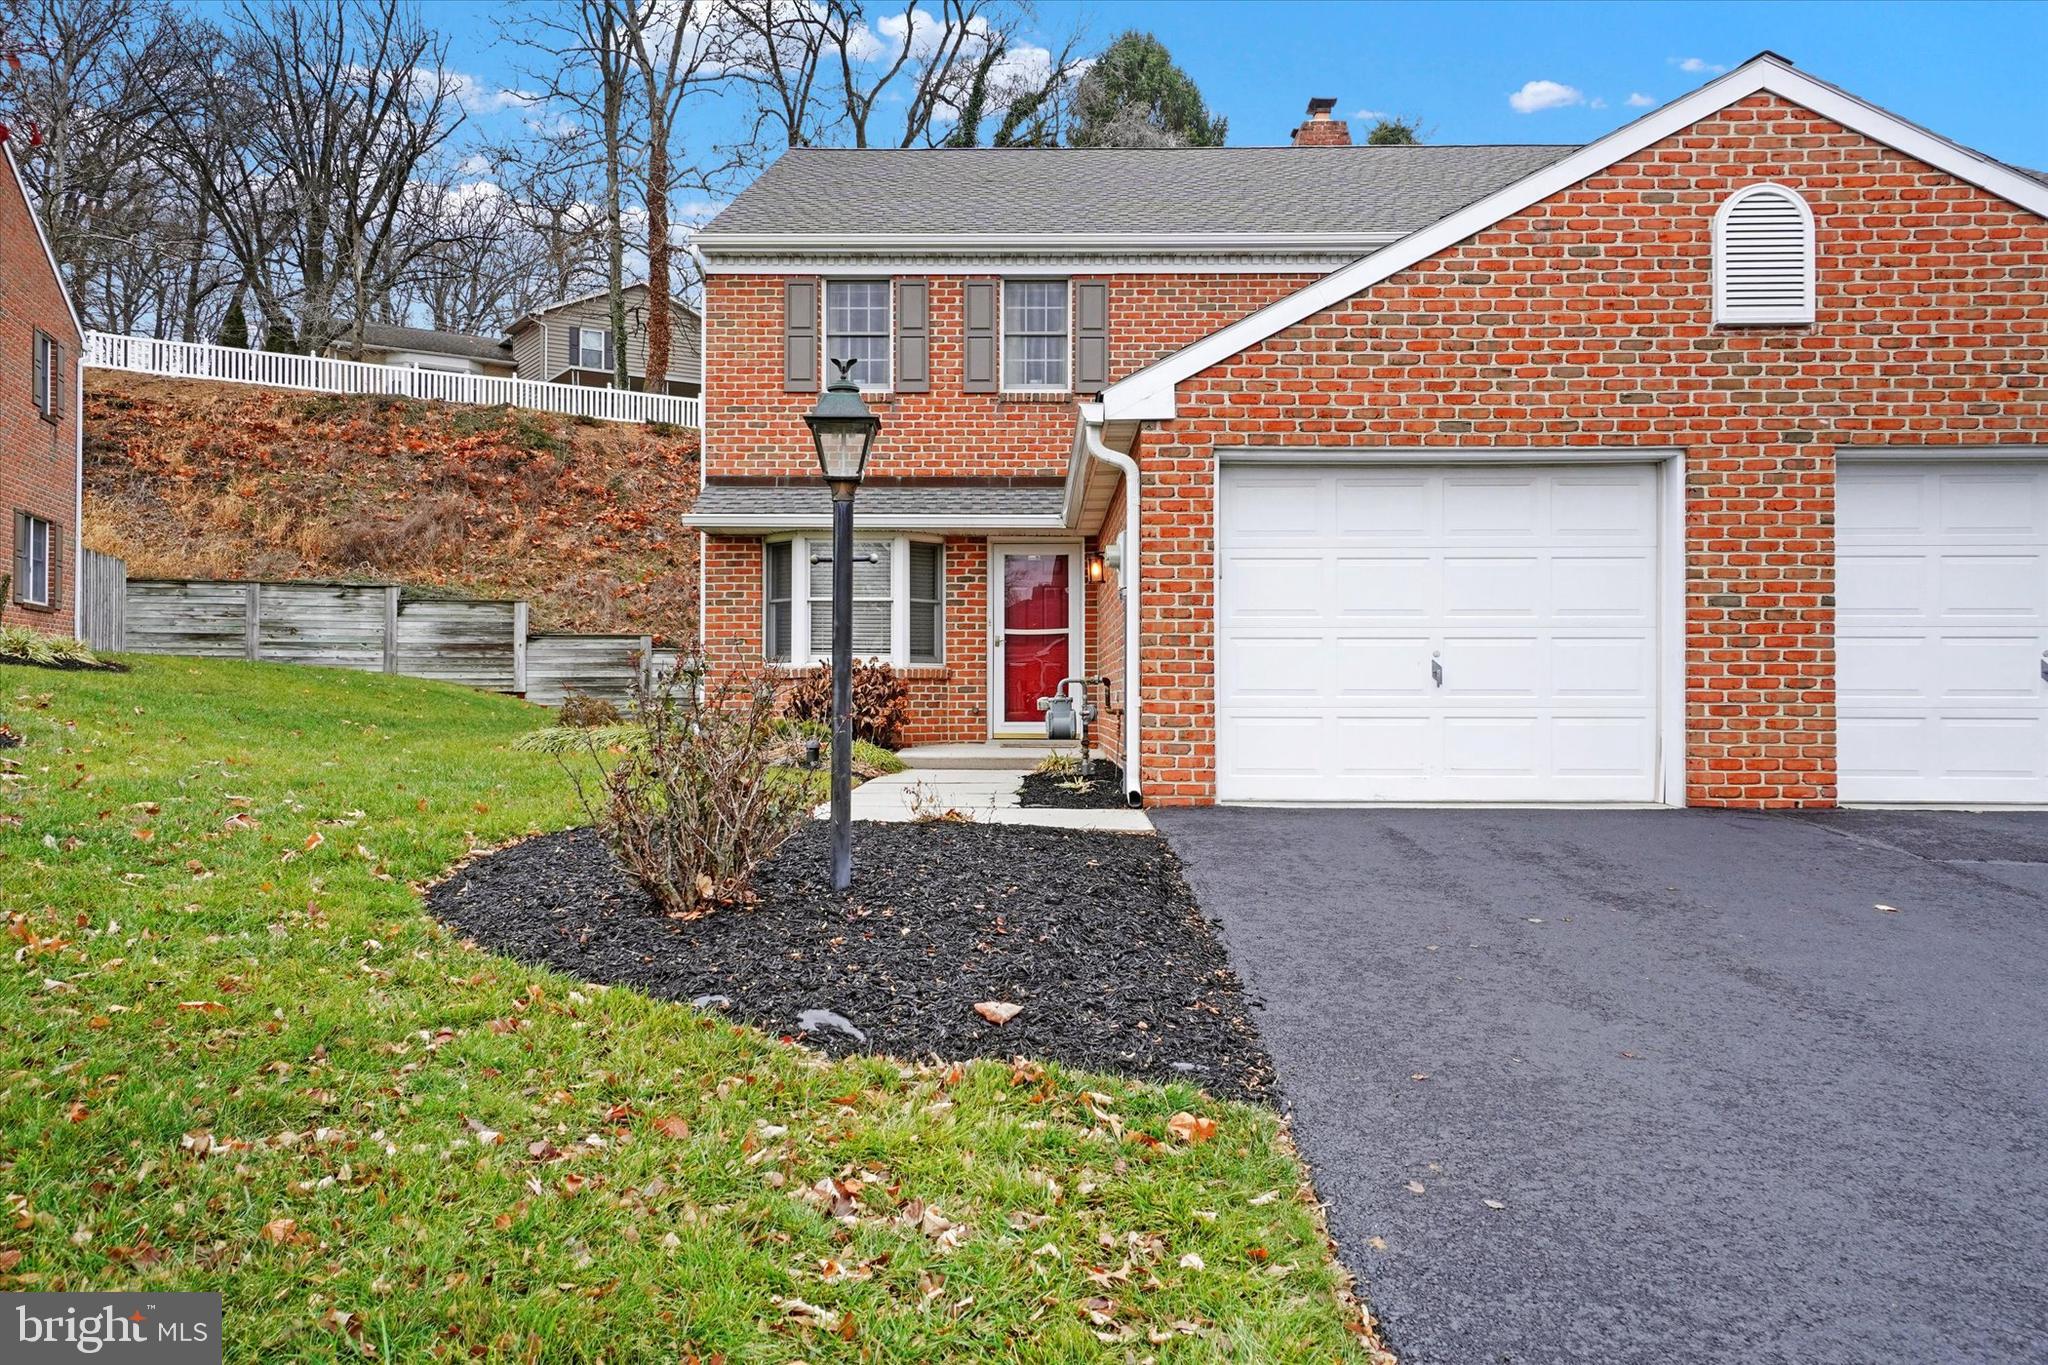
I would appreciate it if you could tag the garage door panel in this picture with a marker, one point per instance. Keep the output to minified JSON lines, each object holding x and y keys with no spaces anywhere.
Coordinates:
{"x":1276,"y":507}
{"x":1604,"y":587}
{"x":1602,"y":668}
{"x":1386,"y":667}
{"x":1500,"y":587}
{"x":1603,"y":507}
{"x":1384,"y":588}
{"x":1536,"y":589}
{"x":1942,"y":573}
{"x":1985,"y":586}
{"x":1996,"y":504}
{"x":1395,"y":509}
{"x":1492,"y":505}
{"x":1275,"y":588}
{"x":1266,"y":667}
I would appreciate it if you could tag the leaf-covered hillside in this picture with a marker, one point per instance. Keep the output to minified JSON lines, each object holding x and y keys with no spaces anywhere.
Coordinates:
{"x":580,"y":518}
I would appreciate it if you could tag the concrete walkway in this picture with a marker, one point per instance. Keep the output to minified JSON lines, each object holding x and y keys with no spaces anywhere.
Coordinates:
{"x":985,"y":795}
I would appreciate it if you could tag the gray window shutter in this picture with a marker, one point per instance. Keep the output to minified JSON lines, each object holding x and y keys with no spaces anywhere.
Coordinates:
{"x":611,"y":359}
{"x":57,"y":379}
{"x":56,"y":593}
{"x":799,"y":336}
{"x":913,"y":337}
{"x":576,"y":348}
{"x":978,"y":342}
{"x":40,"y":372}
{"x":1091,"y":336}
{"x":19,"y":592}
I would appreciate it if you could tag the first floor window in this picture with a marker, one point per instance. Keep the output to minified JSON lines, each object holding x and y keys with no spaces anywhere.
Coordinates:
{"x":1035,"y":334}
{"x":590,"y":348}
{"x":35,"y":561}
{"x":898,"y":600}
{"x":857,"y":329}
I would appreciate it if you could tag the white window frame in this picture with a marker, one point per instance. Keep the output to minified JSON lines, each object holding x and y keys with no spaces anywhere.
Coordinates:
{"x":1003,"y":385}
{"x":578,"y":357}
{"x":38,"y":560}
{"x":825,"y":366}
{"x":802,"y":546}
{"x":1755,"y":317}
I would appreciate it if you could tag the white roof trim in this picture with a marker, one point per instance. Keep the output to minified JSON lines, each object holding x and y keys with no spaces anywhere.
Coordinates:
{"x":49,"y":255}
{"x":949,"y":243}
{"x":1149,"y":394}
{"x":719,"y":523}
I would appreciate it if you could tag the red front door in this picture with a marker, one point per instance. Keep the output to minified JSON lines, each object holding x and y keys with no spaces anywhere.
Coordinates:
{"x":1037,"y":622}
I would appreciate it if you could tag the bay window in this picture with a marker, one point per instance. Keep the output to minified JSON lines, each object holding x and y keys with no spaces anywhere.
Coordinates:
{"x":898,"y":600}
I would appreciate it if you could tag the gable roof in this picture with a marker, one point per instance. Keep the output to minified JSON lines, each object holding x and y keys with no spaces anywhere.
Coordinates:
{"x":1192,"y":192}
{"x":634,"y":287}
{"x":386,"y":337}
{"x":1149,"y":394}
{"x":49,"y":255}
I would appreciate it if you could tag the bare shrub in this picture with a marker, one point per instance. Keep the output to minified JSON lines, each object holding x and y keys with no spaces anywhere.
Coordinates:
{"x":881,"y":702}
{"x":689,"y":797}
{"x":582,"y":711}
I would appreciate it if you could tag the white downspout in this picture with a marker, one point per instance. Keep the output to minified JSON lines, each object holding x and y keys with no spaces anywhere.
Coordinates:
{"x":1128,"y":467}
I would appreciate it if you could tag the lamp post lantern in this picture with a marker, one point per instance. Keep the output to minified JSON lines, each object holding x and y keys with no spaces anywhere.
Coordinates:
{"x":843,"y":430}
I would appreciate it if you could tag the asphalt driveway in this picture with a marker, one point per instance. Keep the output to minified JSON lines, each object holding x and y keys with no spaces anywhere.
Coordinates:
{"x":1731,"y":1107}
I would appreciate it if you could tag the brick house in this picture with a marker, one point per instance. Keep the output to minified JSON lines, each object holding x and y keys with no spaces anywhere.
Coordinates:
{"x":41,"y":419}
{"x":1706,"y":464}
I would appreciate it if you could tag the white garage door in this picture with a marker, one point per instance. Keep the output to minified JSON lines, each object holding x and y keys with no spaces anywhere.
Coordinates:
{"x":1466,"y":633}
{"x":1941,"y":619}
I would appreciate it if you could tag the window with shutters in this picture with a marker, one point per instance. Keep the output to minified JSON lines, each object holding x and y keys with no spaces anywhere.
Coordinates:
{"x":47,"y":376}
{"x":857,"y":329}
{"x":590,"y":348}
{"x":898,"y":600}
{"x":1035,"y":335}
{"x":32,"y":572}
{"x":1763,"y":258}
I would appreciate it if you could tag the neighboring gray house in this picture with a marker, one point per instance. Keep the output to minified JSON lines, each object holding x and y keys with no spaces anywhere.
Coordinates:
{"x":422,"y":348}
{"x":571,"y":342}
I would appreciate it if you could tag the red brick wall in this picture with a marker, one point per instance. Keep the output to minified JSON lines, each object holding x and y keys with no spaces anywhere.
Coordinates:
{"x":1587,"y":320}
{"x":751,"y":427}
{"x":38,"y":459}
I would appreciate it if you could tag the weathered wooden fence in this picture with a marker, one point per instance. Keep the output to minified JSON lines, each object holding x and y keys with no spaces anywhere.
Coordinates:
{"x":324,"y":374}
{"x":102,"y":600}
{"x":376,"y":627}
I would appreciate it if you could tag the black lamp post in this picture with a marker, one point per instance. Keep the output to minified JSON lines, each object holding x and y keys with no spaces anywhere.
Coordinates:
{"x":843,"y":429}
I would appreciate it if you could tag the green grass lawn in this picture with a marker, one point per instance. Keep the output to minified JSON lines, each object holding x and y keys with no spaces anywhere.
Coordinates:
{"x":235,"y":1055}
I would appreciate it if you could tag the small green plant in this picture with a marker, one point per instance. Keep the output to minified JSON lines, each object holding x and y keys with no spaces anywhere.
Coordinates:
{"x":20,"y":645}
{"x":1058,"y":765}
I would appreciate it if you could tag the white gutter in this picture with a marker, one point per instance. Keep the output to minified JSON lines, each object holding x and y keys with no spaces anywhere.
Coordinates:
{"x":1091,"y":434}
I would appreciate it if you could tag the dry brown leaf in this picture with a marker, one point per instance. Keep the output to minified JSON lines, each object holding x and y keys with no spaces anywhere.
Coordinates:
{"x":1191,"y":1127}
{"x":998,"y":1011}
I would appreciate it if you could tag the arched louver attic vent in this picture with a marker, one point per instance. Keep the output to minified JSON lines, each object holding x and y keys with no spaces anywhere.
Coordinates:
{"x":1763,"y":257}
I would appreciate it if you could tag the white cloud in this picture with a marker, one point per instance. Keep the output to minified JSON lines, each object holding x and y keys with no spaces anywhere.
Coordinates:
{"x":1638,"y":100}
{"x":1697,"y":66}
{"x":1370,"y":113}
{"x":1537,"y":95}
{"x":477,"y":96}
{"x":1596,"y":103}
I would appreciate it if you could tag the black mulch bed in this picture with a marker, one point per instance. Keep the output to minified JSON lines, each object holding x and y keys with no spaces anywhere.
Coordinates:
{"x":1096,"y":935}
{"x":1105,"y":790}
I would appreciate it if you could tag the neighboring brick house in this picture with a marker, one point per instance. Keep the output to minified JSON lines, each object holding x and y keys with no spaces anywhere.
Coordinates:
{"x":41,"y":408}
{"x":1706,"y":464}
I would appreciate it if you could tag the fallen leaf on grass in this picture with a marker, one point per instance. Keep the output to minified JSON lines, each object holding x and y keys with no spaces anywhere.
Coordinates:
{"x":9,"y":1259}
{"x":1191,"y":1127}
{"x":671,"y":1127}
{"x":1259,"y":1201}
{"x":203,"y":1006}
{"x":1192,"y":1261}
{"x":998,"y":1011}
{"x":279,"y":1231}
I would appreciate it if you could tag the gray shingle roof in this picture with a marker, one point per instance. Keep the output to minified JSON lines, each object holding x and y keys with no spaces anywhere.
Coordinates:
{"x":878,"y":503}
{"x":1117,"y":190}
{"x":385,"y":337}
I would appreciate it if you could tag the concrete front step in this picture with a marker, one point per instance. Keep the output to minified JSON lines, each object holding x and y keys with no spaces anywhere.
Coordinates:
{"x":994,"y":755}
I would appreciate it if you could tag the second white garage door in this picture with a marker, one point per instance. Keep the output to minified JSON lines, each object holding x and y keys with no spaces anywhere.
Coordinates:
{"x":1941,"y":616}
{"x":1465,"y":633}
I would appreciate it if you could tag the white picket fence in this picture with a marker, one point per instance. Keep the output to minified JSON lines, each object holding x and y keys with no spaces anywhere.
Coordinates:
{"x":320,"y":374}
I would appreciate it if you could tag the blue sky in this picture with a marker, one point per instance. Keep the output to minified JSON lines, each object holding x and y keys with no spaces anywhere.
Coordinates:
{"x":1968,"y":70}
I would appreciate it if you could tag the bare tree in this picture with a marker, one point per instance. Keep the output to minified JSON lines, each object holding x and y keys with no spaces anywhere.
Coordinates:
{"x":303,"y":125}
{"x":778,"y":49}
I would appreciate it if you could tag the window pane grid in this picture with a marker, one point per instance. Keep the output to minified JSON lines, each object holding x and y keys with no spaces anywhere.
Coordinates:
{"x":857,"y":329}
{"x":1035,"y":334}
{"x":873,"y":617}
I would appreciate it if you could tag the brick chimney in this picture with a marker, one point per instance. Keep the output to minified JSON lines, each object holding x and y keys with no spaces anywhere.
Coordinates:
{"x":1321,"y":130}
